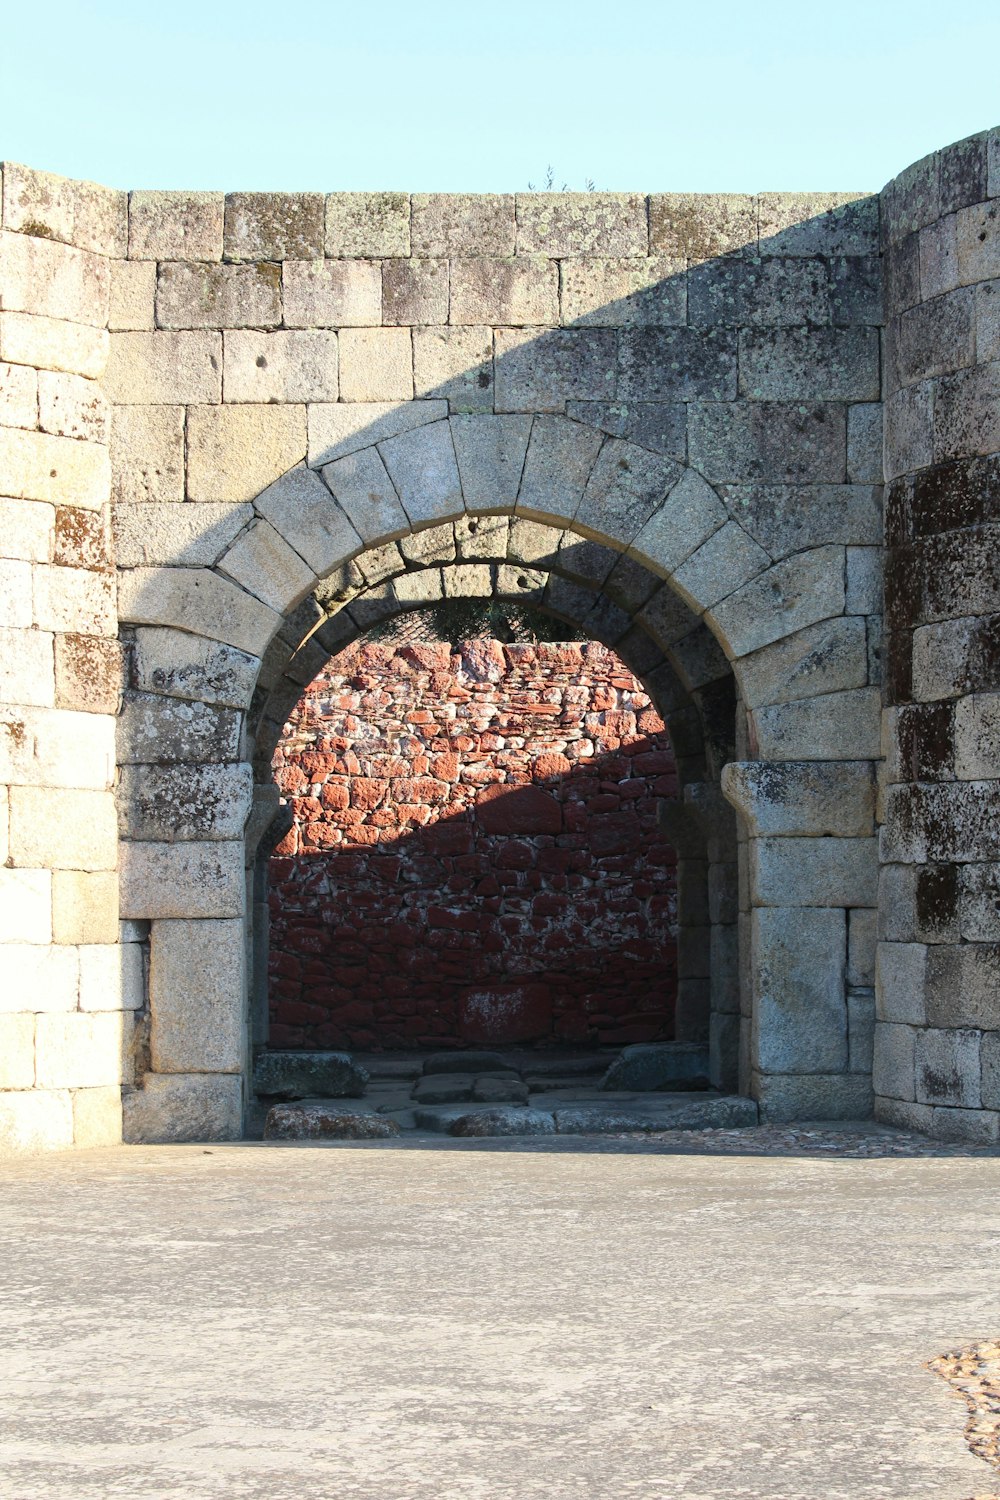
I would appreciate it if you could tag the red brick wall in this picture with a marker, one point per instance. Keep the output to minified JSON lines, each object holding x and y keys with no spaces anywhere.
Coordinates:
{"x":475,"y":856}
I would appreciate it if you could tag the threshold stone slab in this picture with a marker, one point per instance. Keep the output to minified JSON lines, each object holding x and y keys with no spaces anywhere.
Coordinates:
{"x":322,"y":1121}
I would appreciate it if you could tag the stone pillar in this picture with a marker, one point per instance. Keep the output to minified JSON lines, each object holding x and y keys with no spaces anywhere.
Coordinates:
{"x":68,"y":990}
{"x":937,"y":1043}
{"x":810,"y":881}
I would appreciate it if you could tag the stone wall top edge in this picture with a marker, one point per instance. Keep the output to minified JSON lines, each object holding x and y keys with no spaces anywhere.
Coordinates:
{"x":952,"y":177}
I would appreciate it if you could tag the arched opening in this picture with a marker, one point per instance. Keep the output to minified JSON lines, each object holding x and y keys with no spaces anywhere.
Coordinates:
{"x":575,"y":581}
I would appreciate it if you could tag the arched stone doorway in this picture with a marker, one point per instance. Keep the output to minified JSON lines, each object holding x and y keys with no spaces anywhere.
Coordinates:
{"x":756,"y":663}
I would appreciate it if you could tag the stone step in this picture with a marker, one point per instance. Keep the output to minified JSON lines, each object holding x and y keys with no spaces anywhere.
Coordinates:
{"x":321,"y":1119}
{"x":301,"y":1075}
{"x":652,"y":1066}
{"x":590,"y":1117}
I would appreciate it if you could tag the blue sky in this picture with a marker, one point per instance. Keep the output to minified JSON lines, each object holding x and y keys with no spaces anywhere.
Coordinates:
{"x":717,"y":96}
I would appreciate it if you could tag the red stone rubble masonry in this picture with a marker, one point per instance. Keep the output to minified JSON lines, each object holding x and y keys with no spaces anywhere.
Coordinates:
{"x":475,"y":855}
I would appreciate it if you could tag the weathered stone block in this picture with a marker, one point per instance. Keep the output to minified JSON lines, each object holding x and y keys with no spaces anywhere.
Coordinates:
{"x":979,"y":903}
{"x":861,"y":1030}
{"x":813,"y":871}
{"x":218,"y":296}
{"x":828,"y":657}
{"x":626,"y":486}
{"x":376,"y":364}
{"x":97,"y":1117}
{"x":468,"y":581}
{"x":322,"y":1121}
{"x":25,"y":906}
{"x":367,"y":496}
{"x":990,"y":1061}
{"x":863,"y":583}
{"x":516,"y":291}
{"x":954,"y":821}
{"x":175,"y":226}
{"x":150,"y":534}
{"x":17,"y":1051}
{"x":336,"y":430}
{"x":71,"y":599}
{"x":78,"y":1051}
{"x":825,"y":364}
{"x":164,"y":368}
{"x":133,"y":296}
{"x":688,"y":516}
{"x":303,"y":511}
{"x":37,"y":977}
{"x":894,"y":1062}
{"x":831,"y":726}
{"x":70,"y":406}
{"x":481,"y":537}
{"x":38,"y":466}
{"x":622,"y":293}
{"x":740,"y":292}
{"x":903,"y":1115}
{"x":560,"y":457}
{"x":79,"y":213}
{"x":724,"y":562}
{"x":53,"y":828}
{"x":806,"y":798}
{"x":147,"y":453}
{"x":647,"y":1067}
{"x":332,"y":293}
{"x":787,"y":597}
{"x":110,"y":976}
{"x":273,"y":226}
{"x":18,"y":396}
{"x":676,"y":364}
{"x":861,"y":943}
{"x":977,"y":236}
{"x":541,"y":371}
{"x":455,"y":364}
{"x":416,"y":292}
{"x":367,"y":224}
{"x":947,"y":1068}
{"x":154,"y":729}
{"x":263,"y":563}
{"x":54,"y":281}
{"x":294,"y":365}
{"x":800,"y":1016}
{"x":181,"y":665}
{"x":818,"y":224}
{"x":603,"y":224}
{"x":415,"y":589}
{"x":182,"y":880}
{"x":769,"y":441}
{"x":967,"y":413}
{"x":52,"y":344}
{"x":33,"y":1120}
{"x":27,"y":674}
{"x":701,"y":226}
{"x":461,"y":224}
{"x":53,"y":747}
{"x":234,"y":452}
{"x":977,"y":736}
{"x":789,"y":518}
{"x":490,"y":452}
{"x":170,"y":1109}
{"x":422,"y":466}
{"x":937,"y":337}
{"x":171,"y":803}
{"x":84,"y":907}
{"x":864,"y":443}
{"x":196,"y":996}
{"x":815,"y":1096}
{"x":963,"y":985}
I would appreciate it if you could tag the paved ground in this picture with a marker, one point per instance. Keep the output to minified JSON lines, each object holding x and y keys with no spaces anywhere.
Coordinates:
{"x":491,"y":1321}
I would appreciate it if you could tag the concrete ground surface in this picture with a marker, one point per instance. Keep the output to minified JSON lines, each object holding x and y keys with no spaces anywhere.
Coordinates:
{"x":490,"y":1321}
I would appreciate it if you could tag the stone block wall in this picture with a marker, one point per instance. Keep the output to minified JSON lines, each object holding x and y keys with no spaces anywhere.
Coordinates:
{"x":937,"y":1044}
{"x":67,"y":989}
{"x":475,"y":855}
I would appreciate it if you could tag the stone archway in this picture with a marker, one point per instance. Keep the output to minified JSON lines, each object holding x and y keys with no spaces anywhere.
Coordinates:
{"x":622,"y":540}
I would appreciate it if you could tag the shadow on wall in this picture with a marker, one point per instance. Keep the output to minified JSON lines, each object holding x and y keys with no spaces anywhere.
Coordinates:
{"x":448,"y":887}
